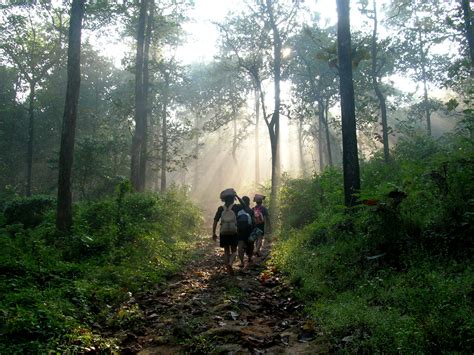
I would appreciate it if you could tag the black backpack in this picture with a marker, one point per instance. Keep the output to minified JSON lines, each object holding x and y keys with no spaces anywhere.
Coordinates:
{"x":244,"y":220}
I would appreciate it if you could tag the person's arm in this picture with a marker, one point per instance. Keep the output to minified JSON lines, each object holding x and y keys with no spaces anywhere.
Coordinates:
{"x":240,"y":200}
{"x":214,"y":225}
{"x":244,"y":205}
{"x":214,"y":228}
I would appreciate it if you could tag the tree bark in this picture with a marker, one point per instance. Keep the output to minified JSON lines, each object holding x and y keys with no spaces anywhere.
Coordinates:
{"x":326,"y":129}
{"x":146,"y":91}
{"x":164,"y":148}
{"x":274,"y":128}
{"x":469,"y":27}
{"x":257,"y":138}
{"x":303,"y":169}
{"x":350,"y":159}
{"x":164,"y":135}
{"x":320,"y":135}
{"x":196,"y":154}
{"x":378,"y":91}
{"x":235,"y":138}
{"x":157,"y":180}
{"x":31,"y":136}
{"x":140,"y":108}
{"x":424,"y":78}
{"x":66,"y":155}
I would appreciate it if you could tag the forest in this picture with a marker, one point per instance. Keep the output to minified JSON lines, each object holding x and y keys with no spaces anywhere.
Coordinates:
{"x":123,"y":122}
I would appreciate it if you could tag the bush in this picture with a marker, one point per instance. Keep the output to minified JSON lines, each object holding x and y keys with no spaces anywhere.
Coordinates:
{"x":306,"y":200}
{"x":28,"y":211}
{"x":55,"y":290}
{"x":393,"y":274}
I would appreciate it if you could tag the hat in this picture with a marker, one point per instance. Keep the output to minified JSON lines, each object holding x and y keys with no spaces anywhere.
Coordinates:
{"x":228,"y":192}
{"x":258,"y":197}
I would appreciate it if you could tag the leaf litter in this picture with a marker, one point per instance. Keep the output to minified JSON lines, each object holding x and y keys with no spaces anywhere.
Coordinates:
{"x":204,"y":310}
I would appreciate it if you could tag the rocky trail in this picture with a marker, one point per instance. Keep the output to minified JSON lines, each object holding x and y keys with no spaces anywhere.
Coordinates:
{"x":204,"y":310}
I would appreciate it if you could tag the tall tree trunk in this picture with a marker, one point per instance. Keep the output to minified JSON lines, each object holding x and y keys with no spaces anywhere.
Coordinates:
{"x":275,"y":122}
{"x":164,"y":133}
{"x":146,"y":90}
{"x":303,"y":170}
{"x":196,"y":154}
{"x":164,"y":147}
{"x":320,"y":135}
{"x":378,"y":91}
{"x":350,"y":159}
{"x":235,"y":138}
{"x":66,"y":154}
{"x":326,"y":129}
{"x":140,"y":108}
{"x":469,"y":27}
{"x":157,"y":180}
{"x":426,"y":101}
{"x":425,"y":81}
{"x":257,"y":138}
{"x":31,"y":136}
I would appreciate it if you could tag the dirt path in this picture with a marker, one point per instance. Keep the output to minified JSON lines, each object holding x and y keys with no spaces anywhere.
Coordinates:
{"x":204,"y":310}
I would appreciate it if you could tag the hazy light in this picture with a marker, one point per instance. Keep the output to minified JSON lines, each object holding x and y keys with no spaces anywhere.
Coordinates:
{"x":286,"y":52}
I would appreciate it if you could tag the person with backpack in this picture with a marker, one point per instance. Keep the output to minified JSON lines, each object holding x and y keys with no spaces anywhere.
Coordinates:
{"x":227,"y":215}
{"x":245,"y":223}
{"x":262,"y":218}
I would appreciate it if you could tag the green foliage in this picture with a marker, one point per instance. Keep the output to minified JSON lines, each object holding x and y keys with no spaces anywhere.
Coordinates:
{"x":55,"y":291}
{"x":304,"y":201}
{"x":28,"y":211}
{"x":394,"y":273}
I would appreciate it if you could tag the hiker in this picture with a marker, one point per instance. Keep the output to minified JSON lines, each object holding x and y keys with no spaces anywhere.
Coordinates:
{"x":245,"y":224}
{"x":227,"y":215}
{"x":262,"y":218}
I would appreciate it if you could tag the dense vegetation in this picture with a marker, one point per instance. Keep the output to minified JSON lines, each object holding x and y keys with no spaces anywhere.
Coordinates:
{"x":104,"y":146}
{"x":58,"y":292}
{"x":395,"y":273}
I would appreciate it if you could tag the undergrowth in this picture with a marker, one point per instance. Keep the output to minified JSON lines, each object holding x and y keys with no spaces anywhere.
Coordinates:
{"x":58,"y":293}
{"x":395,"y":273}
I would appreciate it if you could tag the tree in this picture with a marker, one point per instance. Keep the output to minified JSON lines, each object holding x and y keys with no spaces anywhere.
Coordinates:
{"x":244,"y":41}
{"x":33,"y":45}
{"x":140,"y":102}
{"x":158,"y":25}
{"x":13,"y":131}
{"x":313,"y":74}
{"x":376,"y":73}
{"x":66,"y":155}
{"x":420,"y":27}
{"x":469,"y":30}
{"x":350,"y":159}
{"x":266,"y":27}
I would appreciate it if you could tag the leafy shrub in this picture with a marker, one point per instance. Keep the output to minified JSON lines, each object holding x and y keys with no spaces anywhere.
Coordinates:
{"x":55,"y":290}
{"x":304,"y":200}
{"x":28,"y":211}
{"x":393,"y":274}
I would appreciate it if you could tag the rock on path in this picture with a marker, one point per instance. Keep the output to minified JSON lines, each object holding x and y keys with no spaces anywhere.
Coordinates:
{"x":204,"y":310}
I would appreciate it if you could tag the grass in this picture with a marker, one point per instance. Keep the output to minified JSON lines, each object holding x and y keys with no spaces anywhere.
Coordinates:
{"x":394,"y":274}
{"x":58,"y":293}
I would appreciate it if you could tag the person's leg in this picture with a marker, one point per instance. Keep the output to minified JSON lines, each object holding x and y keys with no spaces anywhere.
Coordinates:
{"x":229,"y":257}
{"x":226,"y":254}
{"x":233,"y":253}
{"x":259,"y":243}
{"x":250,"y":247}
{"x":241,"y":249}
